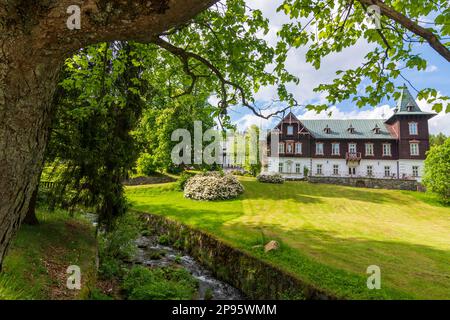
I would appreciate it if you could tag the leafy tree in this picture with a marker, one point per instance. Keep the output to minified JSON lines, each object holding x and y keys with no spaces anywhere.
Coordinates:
{"x":437,"y":139}
{"x":156,"y":127}
{"x":219,"y":48}
{"x":104,"y":95}
{"x":437,"y":170}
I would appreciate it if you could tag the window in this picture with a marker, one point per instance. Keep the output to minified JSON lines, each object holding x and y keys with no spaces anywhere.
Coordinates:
{"x":335,"y":169}
{"x":352,"y":171}
{"x":386,"y":149}
{"x":352,"y":147}
{"x":289,"y":148}
{"x":281,"y":148}
{"x":298,"y":148}
{"x":369,"y":149}
{"x":280,"y":167}
{"x":413,"y":128}
{"x":298,"y":168}
{"x":414,"y":149}
{"x":319,"y":148}
{"x":387,"y":171}
{"x":415,"y":171}
{"x":319,"y":169}
{"x":335,"y":149}
{"x":290,"y":130}
{"x":369,"y":171}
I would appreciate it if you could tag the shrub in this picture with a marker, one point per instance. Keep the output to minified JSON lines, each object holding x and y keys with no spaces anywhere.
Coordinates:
{"x":305,"y":171}
{"x":213,"y":186}
{"x":437,"y":168}
{"x":146,"y":164}
{"x":184,"y":177}
{"x":270,"y":178}
{"x":118,"y":245}
{"x":159,"y":284}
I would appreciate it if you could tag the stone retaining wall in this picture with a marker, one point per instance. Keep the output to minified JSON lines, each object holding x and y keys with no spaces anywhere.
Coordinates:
{"x":400,"y":184}
{"x":255,"y":278}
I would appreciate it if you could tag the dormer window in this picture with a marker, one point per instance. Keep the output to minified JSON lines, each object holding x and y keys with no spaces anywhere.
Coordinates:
{"x":327,"y":130}
{"x":409,"y":108}
{"x":377,"y":129}
{"x":351,"y":129}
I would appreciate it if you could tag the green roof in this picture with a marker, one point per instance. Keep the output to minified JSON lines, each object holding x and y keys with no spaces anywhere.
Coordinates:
{"x":406,"y":105}
{"x":339,"y":129}
{"x":406,"y":100}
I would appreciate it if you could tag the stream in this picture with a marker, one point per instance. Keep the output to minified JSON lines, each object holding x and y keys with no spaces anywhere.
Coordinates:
{"x":152,"y":254}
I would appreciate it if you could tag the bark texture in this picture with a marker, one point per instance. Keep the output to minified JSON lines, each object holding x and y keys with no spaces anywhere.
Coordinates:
{"x":30,"y":217}
{"x":34,"y":41}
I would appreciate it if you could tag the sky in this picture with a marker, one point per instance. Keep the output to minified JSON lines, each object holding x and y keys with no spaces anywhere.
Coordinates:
{"x":437,"y":75}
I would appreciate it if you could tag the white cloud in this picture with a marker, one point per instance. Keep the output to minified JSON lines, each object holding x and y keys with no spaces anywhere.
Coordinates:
{"x":440,"y":122}
{"x":296,"y":64}
{"x":381,"y":112}
{"x":431,"y":68}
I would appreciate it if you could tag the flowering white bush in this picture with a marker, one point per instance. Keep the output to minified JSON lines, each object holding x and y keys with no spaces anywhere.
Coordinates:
{"x":213,"y":186}
{"x":270,"y":178}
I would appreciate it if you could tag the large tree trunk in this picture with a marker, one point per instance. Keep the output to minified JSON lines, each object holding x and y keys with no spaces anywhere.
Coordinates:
{"x":30,"y":217}
{"x":34,"y":40}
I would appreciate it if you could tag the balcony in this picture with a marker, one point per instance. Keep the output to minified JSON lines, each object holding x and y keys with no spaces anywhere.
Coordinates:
{"x":353,"y":157}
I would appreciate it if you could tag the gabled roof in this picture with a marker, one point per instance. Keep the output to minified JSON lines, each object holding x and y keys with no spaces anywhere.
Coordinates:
{"x":363,"y":129}
{"x":406,"y":100}
{"x":406,"y":105}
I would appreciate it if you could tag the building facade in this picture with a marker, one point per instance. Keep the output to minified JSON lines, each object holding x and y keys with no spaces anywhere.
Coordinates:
{"x":393,"y":148}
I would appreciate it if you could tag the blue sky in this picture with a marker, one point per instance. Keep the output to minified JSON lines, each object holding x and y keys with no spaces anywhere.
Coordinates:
{"x":436,"y":76}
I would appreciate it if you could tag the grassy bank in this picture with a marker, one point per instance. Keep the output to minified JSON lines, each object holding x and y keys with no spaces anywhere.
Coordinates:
{"x":329,"y":234}
{"x":35,"y":267}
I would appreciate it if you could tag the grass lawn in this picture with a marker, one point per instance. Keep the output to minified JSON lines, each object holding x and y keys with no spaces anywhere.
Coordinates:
{"x":329,"y":234}
{"x":35,"y":267}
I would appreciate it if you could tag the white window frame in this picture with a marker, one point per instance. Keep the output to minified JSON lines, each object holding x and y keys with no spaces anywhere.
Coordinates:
{"x":281,"y":148}
{"x":317,"y":148}
{"x":416,"y":149}
{"x":333,"y":145}
{"x":387,"y":154}
{"x":415,"y":171}
{"x":369,"y":170}
{"x":298,"y":147}
{"x":298,"y":168}
{"x":371,"y":149}
{"x":352,"y":144}
{"x":319,"y":169}
{"x":280,"y":167}
{"x":415,"y":127}
{"x":335,"y":169}
{"x":388,"y":170}
{"x":289,"y":148}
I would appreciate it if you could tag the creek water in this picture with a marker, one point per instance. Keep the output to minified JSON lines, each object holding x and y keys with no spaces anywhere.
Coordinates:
{"x":152,"y":254}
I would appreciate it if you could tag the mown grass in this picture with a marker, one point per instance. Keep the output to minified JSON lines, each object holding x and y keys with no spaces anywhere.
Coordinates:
{"x":329,"y":234}
{"x":35,"y":267}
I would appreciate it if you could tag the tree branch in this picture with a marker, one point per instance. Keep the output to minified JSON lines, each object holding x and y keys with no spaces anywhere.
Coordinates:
{"x":185,"y":56}
{"x":406,"y":22}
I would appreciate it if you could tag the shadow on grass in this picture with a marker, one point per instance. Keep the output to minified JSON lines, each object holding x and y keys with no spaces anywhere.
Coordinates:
{"x":311,"y":193}
{"x":339,"y":265}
